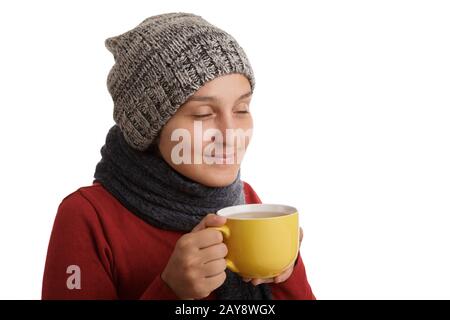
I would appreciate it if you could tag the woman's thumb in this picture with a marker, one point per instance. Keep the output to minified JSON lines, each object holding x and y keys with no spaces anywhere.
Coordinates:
{"x":211,"y":220}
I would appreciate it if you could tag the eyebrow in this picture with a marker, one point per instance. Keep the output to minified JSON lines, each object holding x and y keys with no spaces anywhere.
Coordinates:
{"x":212,"y":98}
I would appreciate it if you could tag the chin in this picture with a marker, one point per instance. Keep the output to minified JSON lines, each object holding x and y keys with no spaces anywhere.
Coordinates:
{"x":217,"y":175}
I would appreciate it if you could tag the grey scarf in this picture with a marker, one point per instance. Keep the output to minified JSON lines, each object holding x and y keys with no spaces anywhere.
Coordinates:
{"x":148,"y":187}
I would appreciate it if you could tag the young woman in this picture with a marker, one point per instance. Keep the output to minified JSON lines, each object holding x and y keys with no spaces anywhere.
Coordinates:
{"x":141,"y":230}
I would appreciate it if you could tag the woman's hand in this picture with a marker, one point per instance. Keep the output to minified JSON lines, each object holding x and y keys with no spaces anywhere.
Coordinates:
{"x":197,"y":265}
{"x":281,"y":277}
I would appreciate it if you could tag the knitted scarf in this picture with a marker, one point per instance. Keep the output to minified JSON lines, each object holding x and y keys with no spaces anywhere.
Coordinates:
{"x":151,"y":189}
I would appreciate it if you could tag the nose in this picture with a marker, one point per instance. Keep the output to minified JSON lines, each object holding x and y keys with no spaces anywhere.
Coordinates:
{"x":225,"y":122}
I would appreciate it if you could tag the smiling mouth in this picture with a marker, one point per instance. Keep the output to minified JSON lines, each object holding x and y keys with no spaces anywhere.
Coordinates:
{"x":224,"y":158}
{"x":219,"y":157}
{"x":225,"y":155}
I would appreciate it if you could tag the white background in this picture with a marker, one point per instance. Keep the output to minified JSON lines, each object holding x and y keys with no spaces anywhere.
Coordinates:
{"x":352,"y":126}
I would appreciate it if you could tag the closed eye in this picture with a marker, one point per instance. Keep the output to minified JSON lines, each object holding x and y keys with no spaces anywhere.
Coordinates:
{"x":202,"y":115}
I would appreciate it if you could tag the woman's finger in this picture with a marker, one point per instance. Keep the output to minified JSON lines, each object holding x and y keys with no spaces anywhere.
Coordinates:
{"x":256,"y":282}
{"x":284,"y":276}
{"x":301,"y":235}
{"x":280,"y":278}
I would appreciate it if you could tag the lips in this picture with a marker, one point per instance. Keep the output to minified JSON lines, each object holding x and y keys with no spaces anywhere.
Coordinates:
{"x":221,"y":156}
{"x":228,"y":155}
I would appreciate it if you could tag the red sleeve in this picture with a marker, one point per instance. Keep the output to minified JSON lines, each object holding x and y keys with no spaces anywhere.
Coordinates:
{"x":78,"y":250}
{"x":297,"y":286}
{"x":250,"y":194}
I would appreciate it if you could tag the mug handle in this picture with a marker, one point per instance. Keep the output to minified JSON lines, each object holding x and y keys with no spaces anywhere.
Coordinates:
{"x":226,"y":235}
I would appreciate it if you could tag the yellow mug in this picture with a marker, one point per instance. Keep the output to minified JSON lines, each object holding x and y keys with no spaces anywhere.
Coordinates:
{"x":262,"y":239}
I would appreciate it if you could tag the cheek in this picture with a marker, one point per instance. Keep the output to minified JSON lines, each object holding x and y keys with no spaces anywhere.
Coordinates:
{"x":176,"y":129}
{"x":250,"y":122}
{"x":246,"y":125}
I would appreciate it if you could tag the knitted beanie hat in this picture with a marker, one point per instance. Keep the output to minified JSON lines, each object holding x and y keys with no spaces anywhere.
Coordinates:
{"x":160,"y":63}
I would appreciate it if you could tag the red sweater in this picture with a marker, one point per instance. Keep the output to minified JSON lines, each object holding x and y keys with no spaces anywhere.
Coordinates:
{"x":119,"y":255}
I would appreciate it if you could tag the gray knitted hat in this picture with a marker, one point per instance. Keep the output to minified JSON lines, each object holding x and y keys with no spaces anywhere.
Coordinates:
{"x":160,"y":63}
